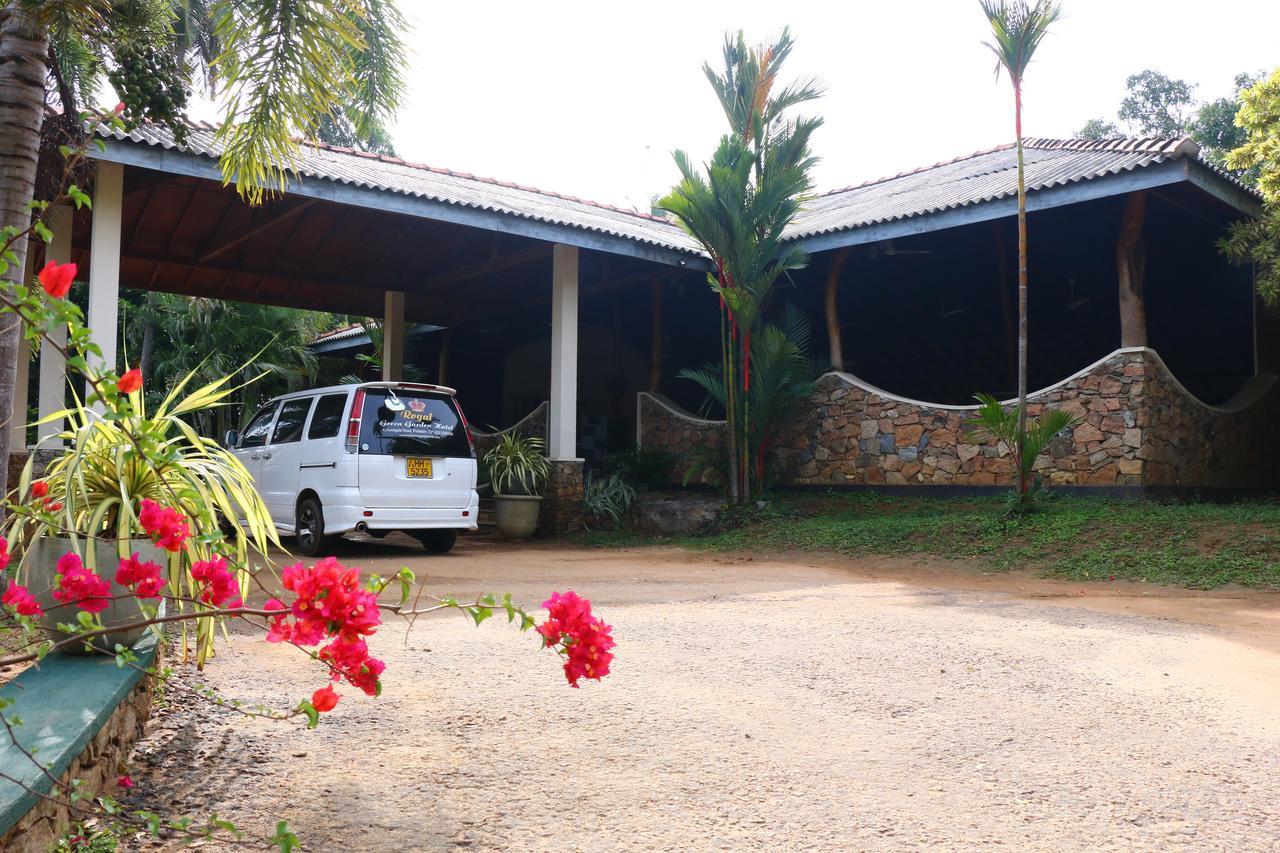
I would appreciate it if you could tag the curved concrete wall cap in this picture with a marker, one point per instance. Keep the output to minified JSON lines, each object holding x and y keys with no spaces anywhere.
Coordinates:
{"x":1250,"y":392}
{"x":1253,"y":390}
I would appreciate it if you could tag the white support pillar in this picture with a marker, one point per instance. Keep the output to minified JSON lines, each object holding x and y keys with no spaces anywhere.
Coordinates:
{"x":52,"y":394}
{"x":563,"y":443}
{"x":393,"y":336}
{"x":104,"y":260}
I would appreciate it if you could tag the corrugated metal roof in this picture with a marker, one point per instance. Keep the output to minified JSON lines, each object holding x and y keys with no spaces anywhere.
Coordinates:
{"x":973,"y":179}
{"x":390,"y":174}
{"x":981,"y":177}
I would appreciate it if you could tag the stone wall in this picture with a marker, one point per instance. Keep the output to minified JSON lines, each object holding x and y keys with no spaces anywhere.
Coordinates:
{"x":1138,"y":427}
{"x":662,"y":425}
{"x":97,"y":767}
{"x":533,"y":424}
{"x":562,"y":503}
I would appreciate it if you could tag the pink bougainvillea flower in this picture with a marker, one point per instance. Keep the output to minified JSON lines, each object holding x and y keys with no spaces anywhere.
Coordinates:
{"x":4,"y":553}
{"x":585,"y":640}
{"x":324,"y":699}
{"x":79,"y":586}
{"x":130,"y":382}
{"x":21,"y":600}
{"x":124,"y":782}
{"x":56,"y":279}
{"x":39,"y":489}
{"x":218,"y":584}
{"x":120,"y":108}
{"x":166,"y":527}
{"x":146,"y":576}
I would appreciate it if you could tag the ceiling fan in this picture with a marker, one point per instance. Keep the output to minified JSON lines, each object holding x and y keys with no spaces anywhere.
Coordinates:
{"x":886,"y":247}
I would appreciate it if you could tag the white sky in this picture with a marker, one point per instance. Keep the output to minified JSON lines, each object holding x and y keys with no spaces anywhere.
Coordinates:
{"x":589,"y":99}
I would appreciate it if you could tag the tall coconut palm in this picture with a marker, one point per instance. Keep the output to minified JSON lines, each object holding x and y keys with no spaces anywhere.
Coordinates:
{"x":738,"y":210}
{"x":1017,"y":28}
{"x":278,"y":69}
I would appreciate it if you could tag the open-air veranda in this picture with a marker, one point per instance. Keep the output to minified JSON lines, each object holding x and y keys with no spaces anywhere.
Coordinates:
{"x":527,"y":296}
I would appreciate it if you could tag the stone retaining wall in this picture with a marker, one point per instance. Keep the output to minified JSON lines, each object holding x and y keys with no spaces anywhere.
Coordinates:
{"x":664,"y":426}
{"x":97,"y":765}
{"x":533,"y":424}
{"x":1139,"y":426}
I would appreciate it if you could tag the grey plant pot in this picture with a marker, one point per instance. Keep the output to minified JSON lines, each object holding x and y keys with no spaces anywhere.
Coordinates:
{"x":41,"y":575}
{"x":517,"y":515}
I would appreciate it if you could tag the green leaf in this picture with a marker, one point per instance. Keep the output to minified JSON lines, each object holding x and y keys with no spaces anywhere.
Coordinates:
{"x":313,"y":716}
{"x":284,"y":838}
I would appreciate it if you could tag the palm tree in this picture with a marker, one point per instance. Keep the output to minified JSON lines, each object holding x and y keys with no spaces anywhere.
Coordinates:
{"x":1017,"y":30}
{"x":278,"y":68}
{"x":738,"y":210}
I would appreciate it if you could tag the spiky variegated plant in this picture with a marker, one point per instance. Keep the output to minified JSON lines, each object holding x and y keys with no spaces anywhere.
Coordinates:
{"x":739,"y":209}
{"x":1017,"y":29}
{"x":110,"y":465}
{"x":517,"y":462}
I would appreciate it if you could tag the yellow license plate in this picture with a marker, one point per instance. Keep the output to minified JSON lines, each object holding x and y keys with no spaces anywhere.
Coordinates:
{"x":419,"y":467}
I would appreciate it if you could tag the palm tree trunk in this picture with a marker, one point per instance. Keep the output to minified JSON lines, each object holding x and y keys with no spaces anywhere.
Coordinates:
{"x":1022,"y":296}
{"x":23,"y":66}
{"x":730,"y":399}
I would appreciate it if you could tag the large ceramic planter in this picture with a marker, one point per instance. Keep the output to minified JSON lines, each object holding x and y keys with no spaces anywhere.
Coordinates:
{"x":42,"y":577}
{"x":517,"y":515}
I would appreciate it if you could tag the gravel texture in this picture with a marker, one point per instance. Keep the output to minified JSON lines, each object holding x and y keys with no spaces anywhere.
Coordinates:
{"x":770,"y":703}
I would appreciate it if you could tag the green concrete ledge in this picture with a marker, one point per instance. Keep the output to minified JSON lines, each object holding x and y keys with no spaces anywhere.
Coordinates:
{"x":63,"y":704}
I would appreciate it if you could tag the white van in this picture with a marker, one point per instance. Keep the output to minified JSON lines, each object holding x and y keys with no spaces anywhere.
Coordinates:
{"x":375,"y":457}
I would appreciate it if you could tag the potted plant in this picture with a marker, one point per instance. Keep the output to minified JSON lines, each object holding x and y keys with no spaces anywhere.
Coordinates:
{"x":518,"y":470}
{"x":139,"y":487}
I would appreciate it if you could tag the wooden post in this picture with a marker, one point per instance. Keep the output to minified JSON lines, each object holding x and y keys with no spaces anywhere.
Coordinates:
{"x":442,"y":366}
{"x":1131,"y":263}
{"x":655,"y":341}
{"x":833,"y":314}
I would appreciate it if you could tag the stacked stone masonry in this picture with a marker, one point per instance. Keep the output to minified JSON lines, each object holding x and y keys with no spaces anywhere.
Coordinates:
{"x":1138,"y":427}
{"x":97,"y":767}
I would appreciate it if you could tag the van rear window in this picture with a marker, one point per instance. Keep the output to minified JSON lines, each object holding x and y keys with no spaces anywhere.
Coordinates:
{"x":407,"y":423}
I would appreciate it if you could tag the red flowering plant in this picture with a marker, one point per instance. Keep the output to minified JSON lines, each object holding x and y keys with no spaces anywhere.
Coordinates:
{"x":133,"y":510}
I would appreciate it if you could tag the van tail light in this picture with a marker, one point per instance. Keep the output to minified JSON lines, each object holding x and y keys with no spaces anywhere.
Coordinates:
{"x":353,"y":423}
{"x":466,"y":426}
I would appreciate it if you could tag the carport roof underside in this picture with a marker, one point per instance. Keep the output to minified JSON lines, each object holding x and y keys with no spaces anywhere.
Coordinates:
{"x":354,"y":225}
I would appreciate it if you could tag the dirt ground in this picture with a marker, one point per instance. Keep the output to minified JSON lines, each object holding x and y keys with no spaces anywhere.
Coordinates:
{"x":761,"y":702}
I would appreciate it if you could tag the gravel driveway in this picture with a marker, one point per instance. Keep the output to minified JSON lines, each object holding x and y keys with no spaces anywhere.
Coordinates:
{"x":766,"y":703}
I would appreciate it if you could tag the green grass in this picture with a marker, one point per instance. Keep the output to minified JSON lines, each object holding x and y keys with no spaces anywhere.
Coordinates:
{"x":1196,"y":545}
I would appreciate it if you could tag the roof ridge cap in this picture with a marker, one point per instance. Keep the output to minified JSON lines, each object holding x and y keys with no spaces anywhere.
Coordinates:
{"x":918,"y":169}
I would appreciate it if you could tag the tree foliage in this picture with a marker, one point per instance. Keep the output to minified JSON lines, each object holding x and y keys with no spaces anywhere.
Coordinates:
{"x":280,"y":71}
{"x":738,"y":205}
{"x":1017,"y":29}
{"x":1157,"y":105}
{"x":1257,"y":241}
{"x":186,"y":328}
{"x":1098,"y":129}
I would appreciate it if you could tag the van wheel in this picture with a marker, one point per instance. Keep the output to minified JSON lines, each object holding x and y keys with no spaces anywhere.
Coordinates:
{"x":436,"y":541}
{"x":310,"y":541}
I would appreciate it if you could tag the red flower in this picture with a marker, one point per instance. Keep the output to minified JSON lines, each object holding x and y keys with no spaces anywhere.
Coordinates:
{"x":124,"y":782}
{"x":585,"y":640}
{"x":39,"y":489}
{"x":120,"y":108}
{"x":324,"y":699}
{"x":130,"y":382}
{"x":218,"y":583}
{"x":56,"y":278}
{"x":4,"y":553}
{"x":146,"y":576}
{"x":20,"y":599}
{"x":166,"y":527}
{"x":77,"y":585}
